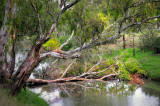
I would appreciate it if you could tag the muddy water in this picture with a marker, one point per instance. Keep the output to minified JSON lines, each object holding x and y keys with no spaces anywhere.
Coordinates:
{"x":111,"y":93}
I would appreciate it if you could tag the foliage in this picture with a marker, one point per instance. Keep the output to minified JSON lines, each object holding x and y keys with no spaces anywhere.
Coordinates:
{"x":133,"y":66}
{"x":127,"y":65}
{"x":150,"y":41}
{"x":52,"y":44}
{"x":27,"y":98}
{"x":148,"y":61}
{"x":63,"y":39}
{"x":26,"y":17}
{"x":124,"y":55}
{"x":123,"y":73}
{"x":75,"y":70}
{"x":84,"y":20}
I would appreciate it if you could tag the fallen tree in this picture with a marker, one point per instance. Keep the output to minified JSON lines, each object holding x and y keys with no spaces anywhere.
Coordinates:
{"x":36,"y":82}
{"x":34,"y":57}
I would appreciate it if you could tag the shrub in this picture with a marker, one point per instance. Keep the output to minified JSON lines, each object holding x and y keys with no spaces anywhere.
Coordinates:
{"x":150,"y":41}
{"x":52,"y":44}
{"x":122,"y":72}
{"x":133,"y":66}
{"x":124,"y":55}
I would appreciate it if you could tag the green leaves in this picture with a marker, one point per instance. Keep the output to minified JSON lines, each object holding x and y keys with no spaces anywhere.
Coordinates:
{"x":51,"y":44}
{"x":133,"y":66}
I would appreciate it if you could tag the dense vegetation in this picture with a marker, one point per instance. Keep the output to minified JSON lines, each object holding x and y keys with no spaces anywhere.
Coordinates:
{"x":72,"y":32}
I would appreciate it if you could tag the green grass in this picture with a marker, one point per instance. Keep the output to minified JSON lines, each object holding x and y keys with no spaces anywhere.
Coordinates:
{"x":30,"y":98}
{"x":27,"y":98}
{"x":149,"y":61}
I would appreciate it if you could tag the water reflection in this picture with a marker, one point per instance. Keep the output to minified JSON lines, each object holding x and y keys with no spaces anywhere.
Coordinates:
{"x":96,"y":94}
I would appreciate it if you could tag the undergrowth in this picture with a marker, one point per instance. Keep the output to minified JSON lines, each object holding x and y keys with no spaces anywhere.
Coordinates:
{"x":27,"y":98}
{"x":148,"y":61}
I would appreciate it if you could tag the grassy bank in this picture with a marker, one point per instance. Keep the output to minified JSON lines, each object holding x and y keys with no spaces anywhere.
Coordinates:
{"x":27,"y":98}
{"x":149,"y":61}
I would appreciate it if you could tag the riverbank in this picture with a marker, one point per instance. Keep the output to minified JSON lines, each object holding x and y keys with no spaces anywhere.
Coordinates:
{"x":150,"y":62}
{"x":27,"y":98}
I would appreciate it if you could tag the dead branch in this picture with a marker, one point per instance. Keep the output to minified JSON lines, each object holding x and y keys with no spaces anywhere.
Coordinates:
{"x":67,"y":41}
{"x":68,"y":68}
{"x":55,"y":61}
{"x":103,"y":70}
{"x":93,"y":73}
{"x":109,"y":77}
{"x":69,"y":79}
{"x":58,"y":17}
{"x":95,"y":64}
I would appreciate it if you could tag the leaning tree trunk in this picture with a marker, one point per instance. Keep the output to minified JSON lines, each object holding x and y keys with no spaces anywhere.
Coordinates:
{"x":27,"y":67}
{"x":26,"y":70}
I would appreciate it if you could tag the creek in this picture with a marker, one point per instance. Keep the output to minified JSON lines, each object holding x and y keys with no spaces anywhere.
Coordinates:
{"x":93,"y":93}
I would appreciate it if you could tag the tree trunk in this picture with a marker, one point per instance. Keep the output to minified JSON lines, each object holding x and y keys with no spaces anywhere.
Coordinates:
{"x":27,"y":67}
{"x":133,"y":47}
{"x":117,"y":47}
{"x":4,"y":35}
{"x":124,"y":42}
{"x":23,"y":74}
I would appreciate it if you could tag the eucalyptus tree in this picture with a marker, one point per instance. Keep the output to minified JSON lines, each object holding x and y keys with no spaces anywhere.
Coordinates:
{"x":34,"y":57}
{"x":95,"y":25}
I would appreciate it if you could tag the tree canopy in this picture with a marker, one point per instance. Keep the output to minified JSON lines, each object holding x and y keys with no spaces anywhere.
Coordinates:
{"x":51,"y":22}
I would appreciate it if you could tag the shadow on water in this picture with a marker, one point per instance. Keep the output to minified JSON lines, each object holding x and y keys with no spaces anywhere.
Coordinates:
{"x":109,"y":93}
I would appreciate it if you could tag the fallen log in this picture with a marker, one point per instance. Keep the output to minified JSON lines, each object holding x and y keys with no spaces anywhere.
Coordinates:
{"x":37,"y":82}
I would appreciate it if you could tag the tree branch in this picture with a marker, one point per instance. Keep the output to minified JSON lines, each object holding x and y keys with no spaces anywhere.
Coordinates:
{"x":68,"y":68}
{"x":96,"y":42}
{"x":96,"y":64}
{"x":59,"y":15}
{"x":38,"y":19}
{"x":67,"y":41}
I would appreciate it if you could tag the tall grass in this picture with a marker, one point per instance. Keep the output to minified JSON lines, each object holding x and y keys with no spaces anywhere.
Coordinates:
{"x":7,"y":100}
{"x":27,"y":98}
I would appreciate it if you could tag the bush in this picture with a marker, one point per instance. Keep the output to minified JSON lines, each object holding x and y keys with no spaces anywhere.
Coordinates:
{"x":52,"y":44}
{"x":127,"y":65}
{"x":133,"y":66}
{"x":150,"y":41}
{"x":122,"y":72}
